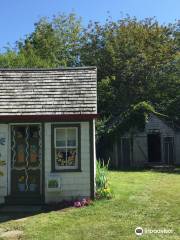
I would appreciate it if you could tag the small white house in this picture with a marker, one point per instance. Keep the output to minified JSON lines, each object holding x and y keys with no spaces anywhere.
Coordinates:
{"x":47,"y":134}
{"x":158,"y":144}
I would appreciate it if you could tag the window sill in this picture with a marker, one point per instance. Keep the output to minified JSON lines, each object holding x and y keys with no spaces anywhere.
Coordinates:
{"x":66,"y":170}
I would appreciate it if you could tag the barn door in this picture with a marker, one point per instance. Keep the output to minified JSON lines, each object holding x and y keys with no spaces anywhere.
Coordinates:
{"x":169,"y":150}
{"x":154,"y":147}
{"x":126,"y":152}
{"x":25,"y":159}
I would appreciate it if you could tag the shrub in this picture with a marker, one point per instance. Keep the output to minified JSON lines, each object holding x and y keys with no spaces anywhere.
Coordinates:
{"x":102,"y":183}
{"x":104,"y":193}
{"x":101,"y":175}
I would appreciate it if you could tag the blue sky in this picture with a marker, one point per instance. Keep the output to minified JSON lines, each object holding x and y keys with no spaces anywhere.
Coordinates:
{"x":17,"y":17}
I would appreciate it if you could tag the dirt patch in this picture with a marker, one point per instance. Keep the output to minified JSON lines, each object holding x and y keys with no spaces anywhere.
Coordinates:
{"x":2,"y":230}
{"x":21,"y":219}
{"x":11,"y":235}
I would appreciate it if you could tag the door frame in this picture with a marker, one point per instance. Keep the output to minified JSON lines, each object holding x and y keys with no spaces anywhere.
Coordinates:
{"x":160,"y":145}
{"x":173,"y":149}
{"x":42,"y":169}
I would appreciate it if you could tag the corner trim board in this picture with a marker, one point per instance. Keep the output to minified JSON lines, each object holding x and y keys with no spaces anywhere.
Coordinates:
{"x":92,"y":160}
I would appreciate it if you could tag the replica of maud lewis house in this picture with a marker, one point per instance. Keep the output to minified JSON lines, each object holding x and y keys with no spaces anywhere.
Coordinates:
{"x":47,"y":134}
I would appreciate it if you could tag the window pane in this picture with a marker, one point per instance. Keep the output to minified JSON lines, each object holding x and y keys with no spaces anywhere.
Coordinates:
{"x":60,"y":157}
{"x":60,"y":137}
{"x":20,"y":144}
{"x":20,"y":154}
{"x":71,"y":137}
{"x":71,"y":157}
{"x":34,"y":144}
{"x":34,"y":132}
{"x":33,"y":153}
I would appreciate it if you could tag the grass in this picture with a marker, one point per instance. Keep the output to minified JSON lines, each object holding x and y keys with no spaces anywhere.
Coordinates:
{"x":147,"y":199}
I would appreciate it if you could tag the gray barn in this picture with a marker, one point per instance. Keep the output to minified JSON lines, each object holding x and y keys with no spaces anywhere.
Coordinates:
{"x":159,"y":143}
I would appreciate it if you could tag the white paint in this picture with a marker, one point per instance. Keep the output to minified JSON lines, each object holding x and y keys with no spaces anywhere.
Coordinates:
{"x":73,"y":184}
{"x":94,"y":136}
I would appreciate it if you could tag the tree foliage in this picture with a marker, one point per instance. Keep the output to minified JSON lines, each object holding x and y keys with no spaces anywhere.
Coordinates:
{"x":131,"y":120}
{"x":53,"y":43}
{"x":135,"y":61}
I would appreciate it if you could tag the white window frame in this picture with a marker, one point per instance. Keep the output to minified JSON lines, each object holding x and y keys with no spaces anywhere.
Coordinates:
{"x":66,"y":147}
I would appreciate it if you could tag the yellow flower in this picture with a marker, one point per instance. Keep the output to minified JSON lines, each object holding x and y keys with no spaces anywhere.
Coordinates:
{"x":106,"y":190}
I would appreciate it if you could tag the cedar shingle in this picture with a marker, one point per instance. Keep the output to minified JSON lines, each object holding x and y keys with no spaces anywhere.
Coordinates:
{"x":48,"y":91}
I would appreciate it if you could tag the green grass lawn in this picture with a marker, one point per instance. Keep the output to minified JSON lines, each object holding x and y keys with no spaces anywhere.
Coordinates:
{"x":147,"y":199}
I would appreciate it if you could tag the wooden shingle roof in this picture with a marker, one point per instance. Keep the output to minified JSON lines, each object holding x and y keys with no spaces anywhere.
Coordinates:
{"x":48,"y":91}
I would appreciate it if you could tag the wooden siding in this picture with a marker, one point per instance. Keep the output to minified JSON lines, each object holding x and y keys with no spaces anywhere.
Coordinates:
{"x":177,"y":148}
{"x":73,"y":184}
{"x":45,"y":92}
{"x":140,"y":143}
{"x":155,"y":123}
{"x":140,"y":150}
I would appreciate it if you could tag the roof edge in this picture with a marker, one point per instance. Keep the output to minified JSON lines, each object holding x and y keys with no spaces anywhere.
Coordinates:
{"x":48,"y":69}
{"x":48,"y":118}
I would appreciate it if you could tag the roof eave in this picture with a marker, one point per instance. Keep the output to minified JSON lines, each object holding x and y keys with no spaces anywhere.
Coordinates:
{"x":47,"y":118}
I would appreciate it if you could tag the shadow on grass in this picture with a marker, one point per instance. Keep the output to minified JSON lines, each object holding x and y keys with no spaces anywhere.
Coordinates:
{"x":5,"y":217}
{"x":158,"y":169}
{"x":8,"y":213}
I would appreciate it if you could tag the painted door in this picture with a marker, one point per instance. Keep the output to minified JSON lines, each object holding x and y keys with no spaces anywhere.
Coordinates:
{"x":25,"y":159}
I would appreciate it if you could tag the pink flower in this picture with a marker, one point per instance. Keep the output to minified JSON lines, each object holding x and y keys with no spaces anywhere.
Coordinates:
{"x":83,"y":202}
{"x":77,"y":204}
{"x":88,"y":201}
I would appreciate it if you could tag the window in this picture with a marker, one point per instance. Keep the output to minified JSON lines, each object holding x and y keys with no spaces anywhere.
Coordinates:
{"x":66,"y":150}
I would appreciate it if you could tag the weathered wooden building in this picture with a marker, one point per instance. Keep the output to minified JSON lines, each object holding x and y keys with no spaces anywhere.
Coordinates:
{"x":158,"y":144}
{"x":47,"y":134}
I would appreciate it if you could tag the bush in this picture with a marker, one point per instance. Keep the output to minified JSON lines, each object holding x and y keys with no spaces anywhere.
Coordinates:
{"x":102,"y":183}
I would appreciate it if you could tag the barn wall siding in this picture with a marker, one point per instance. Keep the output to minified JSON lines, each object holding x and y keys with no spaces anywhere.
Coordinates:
{"x":115,"y":163}
{"x":4,"y":157}
{"x":156,"y":123}
{"x":73,"y":184}
{"x":177,"y":148}
{"x":139,"y":157}
{"x":140,"y":150}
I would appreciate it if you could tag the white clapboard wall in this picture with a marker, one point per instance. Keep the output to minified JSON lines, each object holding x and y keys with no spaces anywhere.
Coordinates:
{"x":4,"y":157}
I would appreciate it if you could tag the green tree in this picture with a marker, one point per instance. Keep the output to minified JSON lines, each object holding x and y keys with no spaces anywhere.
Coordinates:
{"x":173,"y":108}
{"x":53,"y":43}
{"x":135,"y":61}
